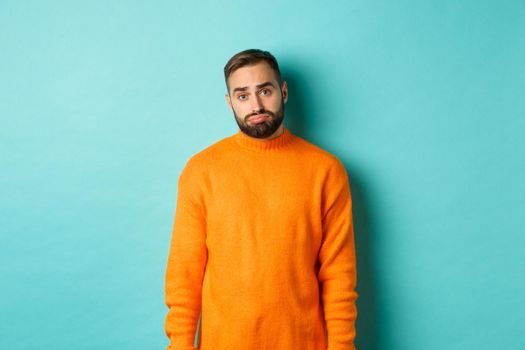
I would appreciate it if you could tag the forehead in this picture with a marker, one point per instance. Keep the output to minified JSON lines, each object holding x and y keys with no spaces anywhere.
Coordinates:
{"x":252,"y":75}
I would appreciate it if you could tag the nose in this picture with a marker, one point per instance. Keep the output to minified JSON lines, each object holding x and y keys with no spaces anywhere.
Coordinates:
{"x":257,"y":105}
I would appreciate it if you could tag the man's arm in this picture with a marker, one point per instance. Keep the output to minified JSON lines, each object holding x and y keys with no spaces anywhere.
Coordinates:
{"x":186,"y":262}
{"x":337,"y":263}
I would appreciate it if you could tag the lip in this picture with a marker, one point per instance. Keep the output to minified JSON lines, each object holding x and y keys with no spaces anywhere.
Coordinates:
{"x":258,"y":117}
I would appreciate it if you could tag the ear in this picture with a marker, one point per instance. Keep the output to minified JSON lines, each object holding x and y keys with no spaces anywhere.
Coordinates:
{"x":229,"y":101}
{"x":284,"y":90}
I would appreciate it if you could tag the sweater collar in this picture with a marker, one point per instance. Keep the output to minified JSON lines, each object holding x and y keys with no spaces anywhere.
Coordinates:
{"x":261,"y":145}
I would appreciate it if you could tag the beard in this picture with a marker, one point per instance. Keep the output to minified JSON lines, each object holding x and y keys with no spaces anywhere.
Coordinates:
{"x":264,"y":129}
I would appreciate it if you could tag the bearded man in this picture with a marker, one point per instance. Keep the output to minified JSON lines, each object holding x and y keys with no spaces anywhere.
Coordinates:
{"x":262,"y":246}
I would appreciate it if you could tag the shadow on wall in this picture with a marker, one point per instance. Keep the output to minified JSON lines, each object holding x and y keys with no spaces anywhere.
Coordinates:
{"x":300,"y":122}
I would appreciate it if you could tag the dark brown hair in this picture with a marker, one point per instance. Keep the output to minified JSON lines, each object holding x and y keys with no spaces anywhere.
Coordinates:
{"x":247,"y":58}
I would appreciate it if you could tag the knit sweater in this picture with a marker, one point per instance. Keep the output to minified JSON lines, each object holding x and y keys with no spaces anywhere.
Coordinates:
{"x":262,"y":244}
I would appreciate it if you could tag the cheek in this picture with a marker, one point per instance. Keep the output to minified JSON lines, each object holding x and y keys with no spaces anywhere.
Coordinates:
{"x":275,"y":104}
{"x":241,"y":109}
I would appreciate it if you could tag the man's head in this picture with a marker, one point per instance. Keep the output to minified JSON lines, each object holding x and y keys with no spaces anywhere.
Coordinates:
{"x":256,"y":95}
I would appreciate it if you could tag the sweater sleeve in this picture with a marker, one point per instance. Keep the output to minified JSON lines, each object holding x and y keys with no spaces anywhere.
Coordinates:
{"x":186,"y":262}
{"x":337,"y":263}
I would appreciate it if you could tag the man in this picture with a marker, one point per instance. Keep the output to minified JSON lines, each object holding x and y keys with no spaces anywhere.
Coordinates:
{"x":263,"y":235}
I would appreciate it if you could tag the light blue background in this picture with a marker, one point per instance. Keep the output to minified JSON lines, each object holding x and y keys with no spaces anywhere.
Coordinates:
{"x":102,"y":103}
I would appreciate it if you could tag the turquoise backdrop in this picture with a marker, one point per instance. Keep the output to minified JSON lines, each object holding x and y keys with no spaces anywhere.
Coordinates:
{"x":102,"y":103}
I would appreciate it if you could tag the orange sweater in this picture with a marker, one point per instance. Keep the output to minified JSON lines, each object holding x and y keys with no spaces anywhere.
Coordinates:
{"x":263,"y":241}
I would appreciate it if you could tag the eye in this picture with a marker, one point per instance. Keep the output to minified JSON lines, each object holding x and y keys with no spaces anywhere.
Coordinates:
{"x":265,"y":92}
{"x":241,"y":97}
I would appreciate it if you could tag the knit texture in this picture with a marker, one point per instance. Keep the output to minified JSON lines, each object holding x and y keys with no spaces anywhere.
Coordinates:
{"x":263,"y":244}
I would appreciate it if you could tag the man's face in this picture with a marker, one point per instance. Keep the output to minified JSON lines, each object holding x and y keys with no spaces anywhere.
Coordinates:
{"x":256,"y":100}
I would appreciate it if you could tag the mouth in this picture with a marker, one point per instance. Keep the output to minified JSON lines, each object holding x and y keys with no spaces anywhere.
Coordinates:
{"x":259,"y":118}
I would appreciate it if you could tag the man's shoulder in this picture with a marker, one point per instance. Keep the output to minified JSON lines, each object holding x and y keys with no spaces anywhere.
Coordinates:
{"x":316,"y":153}
{"x":330,"y":167}
{"x":210,"y":153}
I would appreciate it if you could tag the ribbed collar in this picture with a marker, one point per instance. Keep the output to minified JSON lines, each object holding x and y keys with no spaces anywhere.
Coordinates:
{"x":260,"y":145}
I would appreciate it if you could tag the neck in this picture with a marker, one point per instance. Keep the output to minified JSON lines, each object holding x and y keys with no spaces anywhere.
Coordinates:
{"x":278,"y":140}
{"x":277,"y":133}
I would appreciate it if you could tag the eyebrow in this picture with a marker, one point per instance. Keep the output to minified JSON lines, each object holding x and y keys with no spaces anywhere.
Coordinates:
{"x":244,"y":88}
